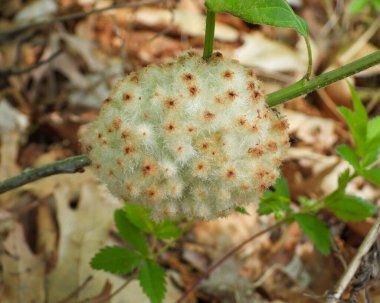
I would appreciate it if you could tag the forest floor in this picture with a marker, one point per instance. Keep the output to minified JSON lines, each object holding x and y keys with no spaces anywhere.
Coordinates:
{"x":53,"y":78}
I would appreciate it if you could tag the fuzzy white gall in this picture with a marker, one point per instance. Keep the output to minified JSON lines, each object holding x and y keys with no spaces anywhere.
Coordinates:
{"x":190,"y":138}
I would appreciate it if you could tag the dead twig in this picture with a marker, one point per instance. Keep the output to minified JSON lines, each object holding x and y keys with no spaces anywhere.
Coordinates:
{"x":348,"y":276}
{"x":69,"y":165}
{"x":224,"y":258}
{"x":76,"y":291}
{"x":19,"y":71}
{"x":78,"y":15}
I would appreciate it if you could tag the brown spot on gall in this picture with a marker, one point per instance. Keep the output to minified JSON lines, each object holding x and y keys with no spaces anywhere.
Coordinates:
{"x":127,"y":97}
{"x":170,"y":127}
{"x":230,"y":174}
{"x":262,"y":187}
{"x":99,"y":135}
{"x":110,"y":173}
{"x":208,"y":115}
{"x":242,"y":121}
{"x":280,"y":125}
{"x":228,"y":74}
{"x":134,"y":78}
{"x":218,"y":55}
{"x":250,"y":73}
{"x":125,"y":134}
{"x":119,"y":163}
{"x":107,"y":101}
{"x":190,"y":129}
{"x":218,"y":100}
{"x":97,"y":166}
{"x":193,"y":90}
{"x":116,"y":122}
{"x":109,"y":130}
{"x":231,"y":94}
{"x":272,"y":145}
{"x":251,"y":85}
{"x":255,"y":151}
{"x":187,"y":77}
{"x":128,"y":150}
{"x":170,"y":103}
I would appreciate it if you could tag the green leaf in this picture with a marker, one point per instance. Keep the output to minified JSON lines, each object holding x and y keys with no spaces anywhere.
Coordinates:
{"x":358,"y":5}
{"x":130,"y":233}
{"x":269,"y":12}
{"x":357,"y":121}
{"x":372,"y":175}
{"x":350,"y":208}
{"x":316,"y":230}
{"x":277,"y":200}
{"x":140,"y":217}
{"x":167,"y":229}
{"x":373,"y":129}
{"x":152,"y":281}
{"x":242,"y":210}
{"x":348,"y":154}
{"x":117,"y":260}
{"x":343,"y":180}
{"x":309,"y":204}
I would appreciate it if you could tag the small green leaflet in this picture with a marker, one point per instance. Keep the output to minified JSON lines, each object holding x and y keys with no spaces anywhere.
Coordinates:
{"x":117,"y":260}
{"x":373,"y":175}
{"x":242,"y":210}
{"x":152,"y":281}
{"x":269,"y":12}
{"x":348,"y":154}
{"x":277,"y":200}
{"x":350,"y":208}
{"x":343,"y":180}
{"x":130,"y":233}
{"x":167,"y":229}
{"x":358,"y":6}
{"x":141,"y":218}
{"x":357,"y":121}
{"x":316,"y":230}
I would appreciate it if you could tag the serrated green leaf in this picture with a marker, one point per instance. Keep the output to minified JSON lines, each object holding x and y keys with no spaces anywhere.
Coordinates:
{"x":357,"y":129}
{"x":242,"y":210}
{"x":130,"y":233}
{"x":343,"y":180}
{"x":350,"y":208}
{"x":358,"y":5}
{"x":316,"y":230}
{"x":373,"y":129}
{"x":167,"y":229}
{"x":152,"y":281}
{"x":277,"y":200}
{"x":117,"y":260}
{"x":140,"y":217}
{"x":372,"y":175}
{"x":348,"y":154}
{"x":269,"y":12}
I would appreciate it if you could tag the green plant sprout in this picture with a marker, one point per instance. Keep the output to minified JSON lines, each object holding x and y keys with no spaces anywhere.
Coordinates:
{"x":146,"y":239}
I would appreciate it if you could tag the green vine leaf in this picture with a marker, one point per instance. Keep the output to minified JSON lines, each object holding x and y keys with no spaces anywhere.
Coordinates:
{"x":269,"y":12}
{"x":348,"y":154}
{"x":167,"y":229}
{"x":130,"y":233}
{"x":350,"y":208}
{"x":117,"y":260}
{"x":316,"y":230}
{"x":152,"y":281}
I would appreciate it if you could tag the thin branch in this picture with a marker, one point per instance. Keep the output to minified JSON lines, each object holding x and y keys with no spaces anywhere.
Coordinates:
{"x":69,"y":165}
{"x":19,"y":71}
{"x":78,"y":15}
{"x":369,"y":240}
{"x":303,"y":86}
{"x":108,"y":298}
{"x":76,"y":291}
{"x":225,"y":258}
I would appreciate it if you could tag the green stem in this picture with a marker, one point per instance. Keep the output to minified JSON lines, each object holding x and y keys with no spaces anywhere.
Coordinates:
{"x":209,"y":35}
{"x":69,"y":165}
{"x":310,"y":59}
{"x":303,"y":86}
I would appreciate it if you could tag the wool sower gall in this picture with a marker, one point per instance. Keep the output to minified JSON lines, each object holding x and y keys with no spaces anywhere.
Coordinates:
{"x":188,"y":139}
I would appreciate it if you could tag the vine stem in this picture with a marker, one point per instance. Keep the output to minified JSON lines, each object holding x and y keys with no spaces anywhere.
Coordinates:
{"x":368,"y":242}
{"x":305,"y":86}
{"x":209,"y":35}
{"x":224,"y":258}
{"x":69,"y":165}
{"x":302,"y":87}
